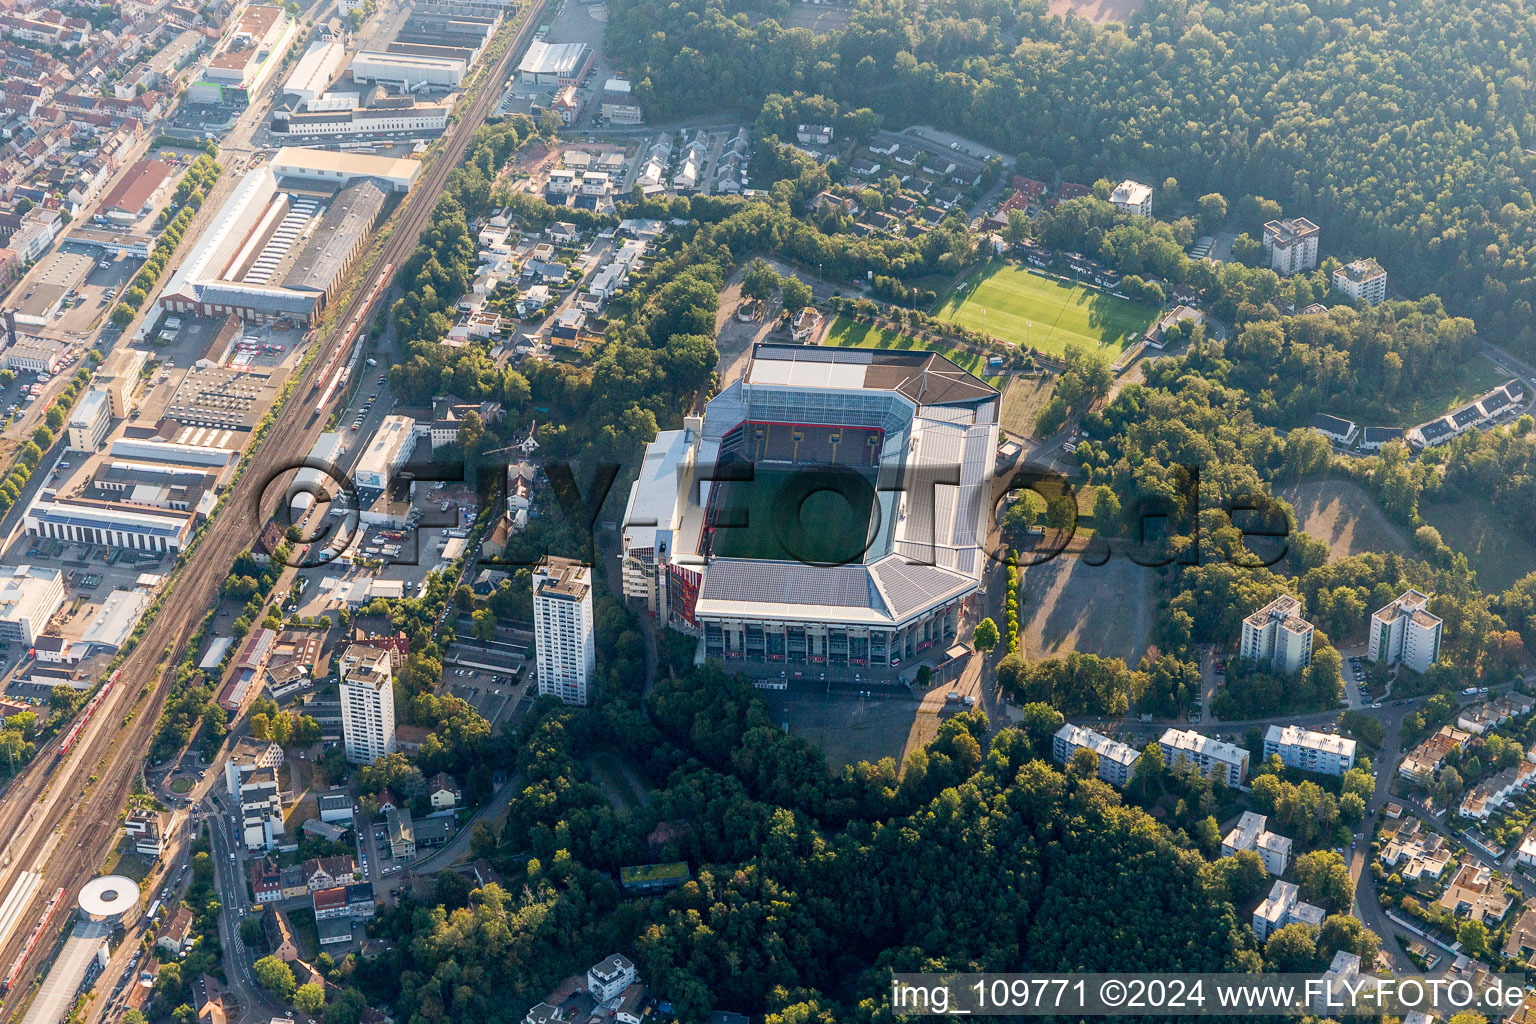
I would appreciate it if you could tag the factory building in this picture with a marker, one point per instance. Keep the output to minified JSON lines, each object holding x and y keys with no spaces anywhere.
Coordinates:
{"x":321,"y":65}
{"x":251,"y":55}
{"x":388,"y":450}
{"x":558,"y":64}
{"x":29,"y":597}
{"x":403,"y":114}
{"x":408,"y":72}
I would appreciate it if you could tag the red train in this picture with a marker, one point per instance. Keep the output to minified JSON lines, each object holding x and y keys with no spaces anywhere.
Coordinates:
{"x":37,"y":933}
{"x":90,"y":709}
{"x":337,"y":368}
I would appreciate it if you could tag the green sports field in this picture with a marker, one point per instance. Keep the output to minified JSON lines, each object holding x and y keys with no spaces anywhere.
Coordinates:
{"x":1008,"y":302}
{"x":818,"y":515}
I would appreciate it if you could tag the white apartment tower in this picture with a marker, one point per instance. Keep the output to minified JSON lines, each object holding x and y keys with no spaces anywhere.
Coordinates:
{"x":367,"y":704}
{"x":1290,"y":245}
{"x":1362,"y":279}
{"x":1405,"y":631}
{"x":562,"y":628}
{"x":1277,"y":636}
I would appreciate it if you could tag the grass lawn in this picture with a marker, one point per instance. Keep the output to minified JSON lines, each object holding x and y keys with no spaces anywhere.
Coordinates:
{"x":1022,"y":402}
{"x":814,"y":514}
{"x":1008,"y":302}
{"x":844,"y":333}
{"x":1497,"y":556}
{"x":1472,"y":380}
{"x":181,"y":784}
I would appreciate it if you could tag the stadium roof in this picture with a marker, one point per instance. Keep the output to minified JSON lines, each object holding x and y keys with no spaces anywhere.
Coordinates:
{"x":927,"y":378}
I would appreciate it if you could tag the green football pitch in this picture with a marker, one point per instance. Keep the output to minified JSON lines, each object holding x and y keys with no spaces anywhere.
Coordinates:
{"x":1008,"y":302}
{"x":818,"y":515}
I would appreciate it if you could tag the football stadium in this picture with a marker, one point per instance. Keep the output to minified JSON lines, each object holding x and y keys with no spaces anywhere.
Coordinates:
{"x":828,"y":508}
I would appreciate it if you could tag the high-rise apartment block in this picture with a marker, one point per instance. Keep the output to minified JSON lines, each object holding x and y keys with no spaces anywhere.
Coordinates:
{"x":562,"y":628}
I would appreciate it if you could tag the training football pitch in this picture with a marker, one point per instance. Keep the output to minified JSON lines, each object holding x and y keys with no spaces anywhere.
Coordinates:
{"x":818,"y":515}
{"x":1008,"y":302}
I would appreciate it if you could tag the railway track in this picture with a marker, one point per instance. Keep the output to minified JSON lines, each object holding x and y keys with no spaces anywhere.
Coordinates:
{"x":81,"y":797}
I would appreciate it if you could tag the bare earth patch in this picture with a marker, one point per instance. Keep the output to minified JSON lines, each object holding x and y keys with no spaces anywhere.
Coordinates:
{"x":1341,"y":515}
{"x":1097,"y":11}
{"x":1070,"y":605}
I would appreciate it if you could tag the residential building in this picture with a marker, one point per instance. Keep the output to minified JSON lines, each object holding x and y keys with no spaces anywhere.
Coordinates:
{"x":266,"y":881}
{"x":1476,"y":894}
{"x":261,"y":809}
{"x":329,"y":903}
{"x":608,"y":980}
{"x":1526,"y":856}
{"x":1277,"y":637}
{"x":1479,"y":718}
{"x":1290,"y":245}
{"x":1341,"y":432}
{"x":1362,"y":280}
{"x":402,"y":833}
{"x":1497,"y":791}
{"x":1252,"y":834}
{"x":176,"y":938}
{"x":1132,"y":197}
{"x":248,"y":755}
{"x":1424,"y":760}
{"x":1406,"y":632}
{"x":1414,"y":852}
{"x":1521,"y":944}
{"x":1212,"y":758}
{"x":360,"y":900}
{"x":443,"y":792}
{"x":1310,"y":751}
{"x":563,"y":629}
{"x":329,"y":872}
{"x":1281,"y":907}
{"x":280,"y":939}
{"x":29,"y":598}
{"x":1116,"y":760}
{"x":367,"y":704}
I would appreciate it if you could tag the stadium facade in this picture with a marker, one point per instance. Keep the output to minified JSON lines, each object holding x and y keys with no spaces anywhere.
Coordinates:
{"x":914,"y":434}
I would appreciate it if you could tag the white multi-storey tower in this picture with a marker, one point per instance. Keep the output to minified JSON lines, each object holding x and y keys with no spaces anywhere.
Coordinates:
{"x":367,"y":704}
{"x":1406,"y":631}
{"x":1276,"y":635}
{"x":562,"y":628}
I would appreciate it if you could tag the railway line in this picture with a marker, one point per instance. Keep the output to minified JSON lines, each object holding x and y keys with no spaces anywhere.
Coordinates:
{"x":60,"y":814}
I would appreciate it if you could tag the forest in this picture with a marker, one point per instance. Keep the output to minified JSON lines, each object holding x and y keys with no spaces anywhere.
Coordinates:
{"x":1401,"y":130}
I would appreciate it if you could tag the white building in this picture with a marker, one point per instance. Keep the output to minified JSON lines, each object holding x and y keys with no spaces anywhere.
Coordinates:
{"x":1277,"y":636}
{"x":1290,"y":245}
{"x":1116,"y":759}
{"x":608,"y":979}
{"x":406,"y":71}
{"x":1252,"y":834}
{"x":261,"y":809}
{"x":1406,"y":632}
{"x":89,"y":423}
{"x":1283,"y":906}
{"x":249,"y":755}
{"x":1211,"y":757}
{"x":1310,"y":751}
{"x":315,"y":71}
{"x":367,"y":704}
{"x":29,"y":597}
{"x":562,"y":628}
{"x":1362,"y":280}
{"x":557,"y":64}
{"x":619,"y":103}
{"x":1526,"y":856}
{"x":389,"y":449}
{"x":1133,"y":197}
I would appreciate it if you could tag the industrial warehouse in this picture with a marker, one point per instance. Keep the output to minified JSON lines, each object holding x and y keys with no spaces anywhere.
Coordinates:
{"x":883,"y":574}
{"x":281,"y":245}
